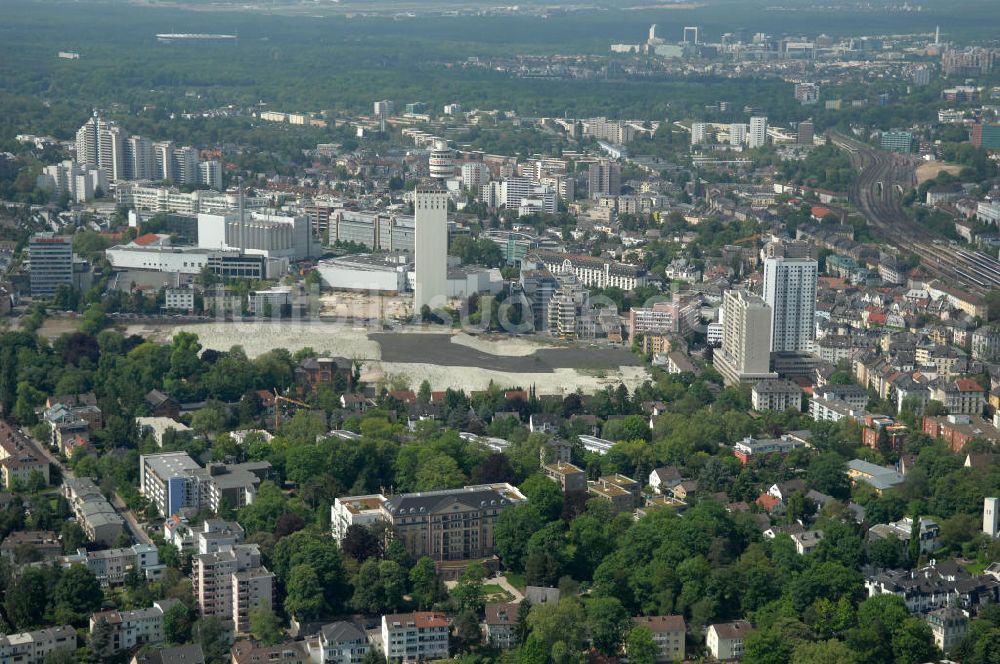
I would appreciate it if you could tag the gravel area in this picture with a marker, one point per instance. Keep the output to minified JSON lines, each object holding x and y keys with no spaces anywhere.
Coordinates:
{"x":445,"y":360}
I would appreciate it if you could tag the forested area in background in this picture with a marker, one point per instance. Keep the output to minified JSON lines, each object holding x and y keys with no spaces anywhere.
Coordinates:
{"x":345,"y":64}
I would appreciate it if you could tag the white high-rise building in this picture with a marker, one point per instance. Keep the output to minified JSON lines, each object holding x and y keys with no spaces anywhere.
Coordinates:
{"x":474,"y":175}
{"x":442,"y":161}
{"x":81,"y":182}
{"x":790,"y":291}
{"x":163,"y":160}
{"x":745,"y":355}
{"x":88,"y":147}
{"x":991,"y":517}
{"x":210,"y":173}
{"x":230,"y":583}
{"x":138,"y":158}
{"x":185,"y":162}
{"x":737,"y":133}
{"x":758,"y":132}
{"x":383,"y":108}
{"x":111,"y":152}
{"x":513,"y":190}
{"x":430,"y":248}
{"x":699,"y":133}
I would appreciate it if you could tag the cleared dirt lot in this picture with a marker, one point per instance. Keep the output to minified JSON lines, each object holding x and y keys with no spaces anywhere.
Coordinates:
{"x":445,"y":359}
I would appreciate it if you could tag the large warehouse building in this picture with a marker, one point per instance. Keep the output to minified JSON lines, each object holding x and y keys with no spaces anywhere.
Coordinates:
{"x":383,"y":273}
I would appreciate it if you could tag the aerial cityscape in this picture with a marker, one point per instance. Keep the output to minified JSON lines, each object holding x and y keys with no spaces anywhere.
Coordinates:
{"x":409,"y":331}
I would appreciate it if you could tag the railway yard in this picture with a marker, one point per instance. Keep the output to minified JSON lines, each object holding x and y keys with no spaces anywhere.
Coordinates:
{"x":877,"y":193}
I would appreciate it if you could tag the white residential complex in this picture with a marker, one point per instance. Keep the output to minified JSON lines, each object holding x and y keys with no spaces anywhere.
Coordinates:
{"x":80,"y":182}
{"x":594,"y":272}
{"x":364,"y":511}
{"x":790,"y":291}
{"x":111,"y":566}
{"x":104,"y":144}
{"x":474,"y":175}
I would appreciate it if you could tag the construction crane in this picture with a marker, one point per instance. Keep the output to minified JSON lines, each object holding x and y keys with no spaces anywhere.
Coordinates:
{"x":749,"y":238}
{"x":278,"y":399}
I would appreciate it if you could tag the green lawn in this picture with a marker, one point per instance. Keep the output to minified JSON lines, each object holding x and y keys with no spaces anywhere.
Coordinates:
{"x":495,"y":593}
{"x":516,"y":580}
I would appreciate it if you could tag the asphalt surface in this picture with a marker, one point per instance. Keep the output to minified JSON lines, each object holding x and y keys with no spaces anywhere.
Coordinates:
{"x":438,"y":349}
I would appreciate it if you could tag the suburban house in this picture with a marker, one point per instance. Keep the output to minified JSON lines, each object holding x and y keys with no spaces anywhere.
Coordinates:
{"x":725,"y":640}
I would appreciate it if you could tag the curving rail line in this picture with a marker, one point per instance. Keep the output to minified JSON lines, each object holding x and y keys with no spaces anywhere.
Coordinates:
{"x":875,"y":193}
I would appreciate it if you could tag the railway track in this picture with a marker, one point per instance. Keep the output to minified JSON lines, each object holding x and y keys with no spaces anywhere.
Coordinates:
{"x":877,"y":194}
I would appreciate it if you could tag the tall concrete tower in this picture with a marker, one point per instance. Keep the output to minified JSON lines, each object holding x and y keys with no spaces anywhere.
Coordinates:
{"x":442,"y":161}
{"x":790,"y":291}
{"x":430,"y":248}
{"x":745,"y":353}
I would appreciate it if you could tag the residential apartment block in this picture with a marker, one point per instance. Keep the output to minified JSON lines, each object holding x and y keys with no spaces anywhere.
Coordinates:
{"x":745,"y":354}
{"x":958,"y":430}
{"x":111,"y":566}
{"x":250,"y":651}
{"x":948,"y":626}
{"x":363,"y":511}
{"x":936,"y":586}
{"x":231,"y":582}
{"x":500,"y":625}
{"x":20,"y":458}
{"x":622,"y":493}
{"x":777,"y":395}
{"x":98,"y":518}
{"x":174,"y":481}
{"x":961,"y":397}
{"x":130,"y":629}
{"x":569,"y":477}
{"x":678,"y":316}
{"x":790,"y":292}
{"x":902,"y":530}
{"x":213,"y":535}
{"x":33,"y":647}
{"x":446,"y":525}
{"x":725,"y":641}
{"x":339,"y":643}
{"x":595,"y":272}
{"x":45,"y":542}
{"x":668,"y":634}
{"x":51,"y":261}
{"x":751,"y":448}
{"x":415,"y":637}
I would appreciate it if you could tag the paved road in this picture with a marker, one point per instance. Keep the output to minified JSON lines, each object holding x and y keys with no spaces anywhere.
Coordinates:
{"x":131,"y":523}
{"x":438,"y":349}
